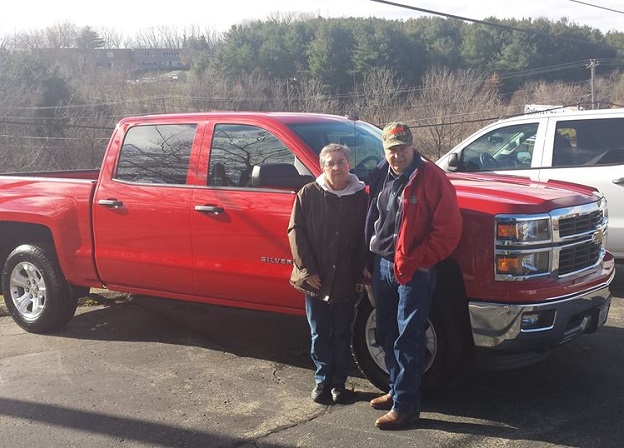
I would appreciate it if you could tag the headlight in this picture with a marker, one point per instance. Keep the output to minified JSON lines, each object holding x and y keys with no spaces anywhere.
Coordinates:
{"x":521,"y":231}
{"x":523,"y":264}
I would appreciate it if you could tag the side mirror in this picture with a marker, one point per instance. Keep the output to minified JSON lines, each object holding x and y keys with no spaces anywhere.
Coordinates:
{"x":453,"y":162}
{"x":278,"y":175}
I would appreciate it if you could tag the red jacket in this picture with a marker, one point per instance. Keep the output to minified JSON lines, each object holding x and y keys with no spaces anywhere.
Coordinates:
{"x":430,"y":220}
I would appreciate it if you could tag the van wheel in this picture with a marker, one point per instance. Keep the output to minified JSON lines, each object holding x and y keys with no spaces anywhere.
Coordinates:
{"x":446,"y":349}
{"x":35,"y":291}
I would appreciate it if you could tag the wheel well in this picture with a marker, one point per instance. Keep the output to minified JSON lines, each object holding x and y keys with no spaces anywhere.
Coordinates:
{"x":450,"y":280}
{"x":16,"y":233}
{"x":450,"y":289}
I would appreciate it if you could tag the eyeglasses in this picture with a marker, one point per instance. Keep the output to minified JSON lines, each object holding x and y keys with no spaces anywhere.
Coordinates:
{"x":341,"y":162}
{"x":398,"y":148}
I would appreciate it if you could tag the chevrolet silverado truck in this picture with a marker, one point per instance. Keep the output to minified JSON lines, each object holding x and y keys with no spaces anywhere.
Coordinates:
{"x":195,"y":207}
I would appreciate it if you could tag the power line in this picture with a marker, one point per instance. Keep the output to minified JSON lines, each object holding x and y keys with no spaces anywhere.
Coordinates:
{"x":496,"y":25}
{"x":80,"y":126}
{"x":597,"y":6}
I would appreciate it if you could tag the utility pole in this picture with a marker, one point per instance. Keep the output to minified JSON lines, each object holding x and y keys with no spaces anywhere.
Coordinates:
{"x":592,"y":67}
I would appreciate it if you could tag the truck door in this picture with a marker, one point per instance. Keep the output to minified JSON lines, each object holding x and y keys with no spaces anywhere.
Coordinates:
{"x":142,"y":215}
{"x":240,"y":245}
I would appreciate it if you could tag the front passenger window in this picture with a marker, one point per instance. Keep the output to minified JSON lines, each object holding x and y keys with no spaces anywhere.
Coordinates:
{"x":237,"y":148}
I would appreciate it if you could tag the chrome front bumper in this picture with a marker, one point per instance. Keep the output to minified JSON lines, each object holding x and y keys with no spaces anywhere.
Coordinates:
{"x":526,"y":327}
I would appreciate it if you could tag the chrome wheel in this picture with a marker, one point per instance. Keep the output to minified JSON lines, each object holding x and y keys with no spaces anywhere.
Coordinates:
{"x":28,"y":290}
{"x":377,"y":353}
{"x":36,"y":293}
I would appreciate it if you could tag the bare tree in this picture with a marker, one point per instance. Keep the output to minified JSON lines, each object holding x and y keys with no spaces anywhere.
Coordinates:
{"x":112,"y":37}
{"x":62,"y":35}
{"x":147,"y":38}
{"x":30,"y":40}
{"x":549,"y":93}
{"x":379,"y":96}
{"x":210,"y":92}
{"x":315,"y":97}
{"x":17,"y":103}
{"x":160,"y":37}
{"x":450,"y":106}
{"x":615,"y":90}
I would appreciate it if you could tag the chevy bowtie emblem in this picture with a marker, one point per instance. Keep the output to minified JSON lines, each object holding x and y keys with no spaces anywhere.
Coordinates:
{"x":597,"y":237}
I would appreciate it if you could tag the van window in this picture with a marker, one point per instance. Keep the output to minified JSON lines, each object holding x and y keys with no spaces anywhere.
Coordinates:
{"x":589,"y":142}
{"x":505,"y":148}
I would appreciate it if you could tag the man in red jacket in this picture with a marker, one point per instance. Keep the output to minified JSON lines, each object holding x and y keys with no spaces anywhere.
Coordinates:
{"x":413,"y":222}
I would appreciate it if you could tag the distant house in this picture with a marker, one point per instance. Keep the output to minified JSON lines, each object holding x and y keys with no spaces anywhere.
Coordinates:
{"x":147,"y":59}
{"x":114,"y":58}
{"x":131,"y":60}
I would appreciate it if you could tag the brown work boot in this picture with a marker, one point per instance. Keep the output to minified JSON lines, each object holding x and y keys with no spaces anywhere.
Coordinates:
{"x":396,"y":420}
{"x":383,"y":402}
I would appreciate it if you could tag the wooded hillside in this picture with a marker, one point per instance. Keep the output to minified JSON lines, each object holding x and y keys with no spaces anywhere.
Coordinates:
{"x":446,"y":77}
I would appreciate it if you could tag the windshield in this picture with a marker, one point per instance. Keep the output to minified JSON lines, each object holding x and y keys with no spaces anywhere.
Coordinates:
{"x":363,"y":139}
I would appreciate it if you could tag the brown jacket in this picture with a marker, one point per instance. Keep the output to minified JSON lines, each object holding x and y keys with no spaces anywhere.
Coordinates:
{"x":326,"y":235}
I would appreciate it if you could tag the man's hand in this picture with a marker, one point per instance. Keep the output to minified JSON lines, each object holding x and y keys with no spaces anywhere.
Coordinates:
{"x":314,"y":281}
{"x":367,"y":273}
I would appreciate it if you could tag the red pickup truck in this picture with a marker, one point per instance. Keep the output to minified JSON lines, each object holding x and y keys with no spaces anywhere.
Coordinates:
{"x":195,"y":207}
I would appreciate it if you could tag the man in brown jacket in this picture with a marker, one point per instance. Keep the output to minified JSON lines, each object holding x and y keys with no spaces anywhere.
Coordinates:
{"x":326,"y":234}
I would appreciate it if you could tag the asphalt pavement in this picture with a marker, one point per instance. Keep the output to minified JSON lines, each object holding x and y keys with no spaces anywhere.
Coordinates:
{"x":147,"y":372}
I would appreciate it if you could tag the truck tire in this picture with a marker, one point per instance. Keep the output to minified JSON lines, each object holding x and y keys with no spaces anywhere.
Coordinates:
{"x":446,"y":348}
{"x":35,"y":291}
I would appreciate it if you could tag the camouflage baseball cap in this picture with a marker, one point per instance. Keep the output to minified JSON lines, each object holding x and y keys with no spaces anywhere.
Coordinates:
{"x":396,"y":133}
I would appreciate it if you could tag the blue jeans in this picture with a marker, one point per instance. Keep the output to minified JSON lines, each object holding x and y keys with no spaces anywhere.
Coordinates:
{"x":330,"y":328}
{"x":402,"y":312}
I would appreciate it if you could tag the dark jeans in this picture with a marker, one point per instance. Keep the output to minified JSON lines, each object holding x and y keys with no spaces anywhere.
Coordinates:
{"x":402,"y":312}
{"x":330,"y":328}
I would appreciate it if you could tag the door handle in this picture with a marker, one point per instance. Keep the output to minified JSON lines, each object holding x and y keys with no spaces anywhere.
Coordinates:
{"x":213,"y":209}
{"x":619,"y":181}
{"x":110,"y":203}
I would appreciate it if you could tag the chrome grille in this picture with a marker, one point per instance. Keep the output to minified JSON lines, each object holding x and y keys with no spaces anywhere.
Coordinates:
{"x":580,"y":223}
{"x":581,"y":240}
{"x":578,"y":257}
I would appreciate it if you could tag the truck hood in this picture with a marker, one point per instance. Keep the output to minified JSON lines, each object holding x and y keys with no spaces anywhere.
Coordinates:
{"x":492,"y":193}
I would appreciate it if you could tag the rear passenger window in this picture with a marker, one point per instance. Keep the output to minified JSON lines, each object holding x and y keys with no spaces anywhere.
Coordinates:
{"x":237,"y":148}
{"x":589,"y":142}
{"x":156,"y":154}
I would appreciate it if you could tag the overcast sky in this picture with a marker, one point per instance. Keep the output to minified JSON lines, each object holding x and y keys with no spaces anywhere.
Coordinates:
{"x":132,"y":16}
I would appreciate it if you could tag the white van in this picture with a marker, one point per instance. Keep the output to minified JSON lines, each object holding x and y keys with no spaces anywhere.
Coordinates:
{"x":586,"y":147}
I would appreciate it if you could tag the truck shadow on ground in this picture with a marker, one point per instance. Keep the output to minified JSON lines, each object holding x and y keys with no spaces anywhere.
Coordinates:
{"x":275,"y":337}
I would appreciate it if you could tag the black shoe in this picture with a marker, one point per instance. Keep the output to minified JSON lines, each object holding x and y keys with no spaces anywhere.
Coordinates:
{"x":340,"y":395}
{"x":320,"y":393}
